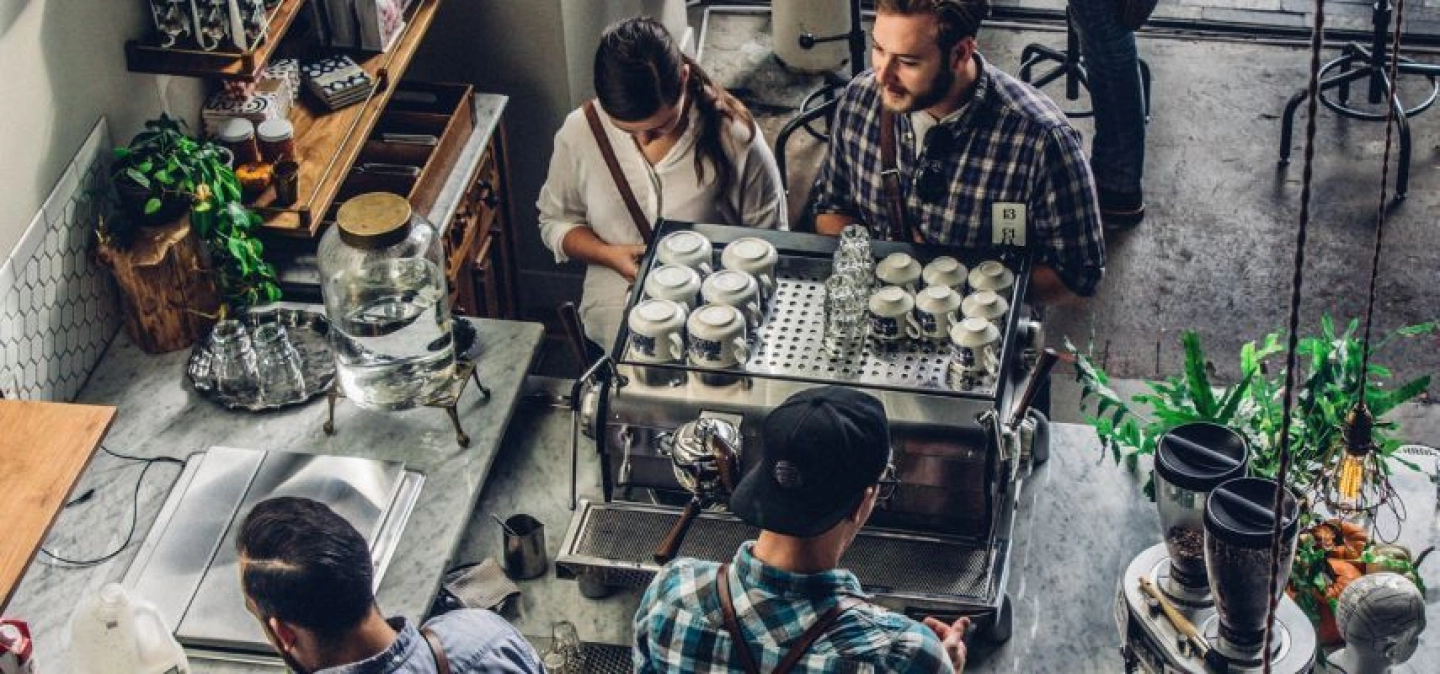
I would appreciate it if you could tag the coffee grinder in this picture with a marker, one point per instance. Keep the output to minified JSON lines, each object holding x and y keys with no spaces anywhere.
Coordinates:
{"x":1165,"y":609}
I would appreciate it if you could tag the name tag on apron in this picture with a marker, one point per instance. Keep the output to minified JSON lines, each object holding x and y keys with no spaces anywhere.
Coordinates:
{"x":1007,"y":224}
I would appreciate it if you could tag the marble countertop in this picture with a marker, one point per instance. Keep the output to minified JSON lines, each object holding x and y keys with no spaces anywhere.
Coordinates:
{"x":161,"y":415}
{"x":1080,"y":522}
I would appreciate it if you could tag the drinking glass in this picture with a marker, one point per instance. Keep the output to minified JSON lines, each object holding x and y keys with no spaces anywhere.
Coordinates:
{"x":844,"y":314}
{"x":565,"y":654}
{"x":277,"y":366}
{"x":853,"y":257}
{"x":232,"y":358}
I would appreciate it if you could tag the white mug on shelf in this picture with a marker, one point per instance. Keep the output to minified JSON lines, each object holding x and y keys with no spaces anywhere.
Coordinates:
{"x":674,"y":282}
{"x":688,"y":249}
{"x":974,"y":354}
{"x":754,"y":256}
{"x":737,"y":289}
{"x":717,"y":336}
{"x":945,"y":271}
{"x":657,"y":331}
{"x":986,"y":304}
{"x":992,"y":275}
{"x":935,"y":311}
{"x":889,"y":315}
{"x":898,"y":269}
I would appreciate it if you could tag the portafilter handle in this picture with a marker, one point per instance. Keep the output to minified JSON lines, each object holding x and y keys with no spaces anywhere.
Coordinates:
{"x":727,"y":457}
{"x":671,"y":545}
{"x":1032,"y":386}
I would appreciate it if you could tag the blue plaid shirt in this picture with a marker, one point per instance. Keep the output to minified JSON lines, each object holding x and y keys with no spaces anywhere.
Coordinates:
{"x":680,"y":626}
{"x":1012,"y":144}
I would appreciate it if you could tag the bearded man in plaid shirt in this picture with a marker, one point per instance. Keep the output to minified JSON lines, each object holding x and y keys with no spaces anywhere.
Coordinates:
{"x":980,"y":158}
{"x":781,"y":605}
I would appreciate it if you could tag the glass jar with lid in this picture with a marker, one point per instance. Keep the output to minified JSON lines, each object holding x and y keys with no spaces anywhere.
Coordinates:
{"x":383,"y":281}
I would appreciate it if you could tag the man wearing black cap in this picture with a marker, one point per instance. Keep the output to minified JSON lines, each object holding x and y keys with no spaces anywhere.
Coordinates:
{"x":781,"y":605}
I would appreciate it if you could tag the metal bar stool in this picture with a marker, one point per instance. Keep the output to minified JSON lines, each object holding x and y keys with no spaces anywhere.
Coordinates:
{"x":1357,"y":62}
{"x":1071,"y":64}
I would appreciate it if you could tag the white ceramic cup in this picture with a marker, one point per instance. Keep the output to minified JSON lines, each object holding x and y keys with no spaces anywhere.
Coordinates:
{"x":754,"y":256}
{"x":657,"y":331}
{"x":935,"y":311}
{"x":717,"y":336}
{"x":737,"y":289}
{"x":945,"y":271}
{"x":674,"y":282}
{"x":898,"y":269}
{"x":974,"y":353}
{"x":992,"y":275}
{"x":986,"y":304}
{"x":889,"y":315}
{"x":687,"y":249}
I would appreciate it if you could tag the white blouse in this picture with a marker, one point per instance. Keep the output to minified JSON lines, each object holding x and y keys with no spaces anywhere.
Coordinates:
{"x":579,"y":191}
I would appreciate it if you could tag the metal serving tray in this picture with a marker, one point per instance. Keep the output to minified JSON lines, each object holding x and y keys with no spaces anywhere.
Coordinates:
{"x":788,"y":343}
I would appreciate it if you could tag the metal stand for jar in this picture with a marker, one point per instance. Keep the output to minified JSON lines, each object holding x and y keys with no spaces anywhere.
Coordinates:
{"x":465,"y":372}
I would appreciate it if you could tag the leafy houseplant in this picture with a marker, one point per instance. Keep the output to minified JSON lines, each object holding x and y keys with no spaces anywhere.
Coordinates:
{"x":1326,"y":387}
{"x":162,"y":173}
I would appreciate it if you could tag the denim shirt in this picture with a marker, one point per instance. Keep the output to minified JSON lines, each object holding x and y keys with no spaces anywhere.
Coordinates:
{"x":474,"y":641}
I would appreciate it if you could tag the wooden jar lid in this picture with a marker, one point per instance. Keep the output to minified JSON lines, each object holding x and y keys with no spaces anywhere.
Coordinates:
{"x":374,"y":220}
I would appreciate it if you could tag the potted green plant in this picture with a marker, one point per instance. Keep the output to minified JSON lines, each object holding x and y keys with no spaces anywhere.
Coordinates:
{"x":164,"y":173}
{"x":1330,"y":552}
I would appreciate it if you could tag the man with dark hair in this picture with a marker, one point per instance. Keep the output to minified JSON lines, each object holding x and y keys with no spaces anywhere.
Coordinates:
{"x":781,"y":605}
{"x":936,"y":145}
{"x":308,"y":577}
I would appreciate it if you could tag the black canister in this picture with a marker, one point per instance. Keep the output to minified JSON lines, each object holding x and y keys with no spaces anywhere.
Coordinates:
{"x":1191,"y":460}
{"x":1239,"y":523}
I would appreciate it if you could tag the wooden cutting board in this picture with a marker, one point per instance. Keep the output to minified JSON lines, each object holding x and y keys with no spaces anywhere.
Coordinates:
{"x":43,"y":448}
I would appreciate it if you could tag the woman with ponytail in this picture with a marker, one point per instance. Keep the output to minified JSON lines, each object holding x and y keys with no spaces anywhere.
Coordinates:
{"x":681,"y":146}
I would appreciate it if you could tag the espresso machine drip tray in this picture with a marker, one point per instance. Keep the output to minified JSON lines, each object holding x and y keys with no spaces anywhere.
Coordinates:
{"x":611,"y":544}
{"x":187,"y":565}
{"x":1151,"y":644}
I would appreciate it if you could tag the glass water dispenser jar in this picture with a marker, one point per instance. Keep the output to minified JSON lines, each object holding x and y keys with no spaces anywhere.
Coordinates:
{"x":383,"y":280}
{"x":1190,"y":461}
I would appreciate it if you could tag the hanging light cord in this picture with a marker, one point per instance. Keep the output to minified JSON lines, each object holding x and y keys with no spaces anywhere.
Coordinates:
{"x":1391,"y":106}
{"x":1292,"y":344}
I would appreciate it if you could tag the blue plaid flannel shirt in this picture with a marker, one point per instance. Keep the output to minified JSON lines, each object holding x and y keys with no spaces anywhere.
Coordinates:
{"x":680,"y":626}
{"x":1012,"y":145}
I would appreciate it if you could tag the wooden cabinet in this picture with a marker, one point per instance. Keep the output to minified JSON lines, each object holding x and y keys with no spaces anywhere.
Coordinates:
{"x":480,"y":240}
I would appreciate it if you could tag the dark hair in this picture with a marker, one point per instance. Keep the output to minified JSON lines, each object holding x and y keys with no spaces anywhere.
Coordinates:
{"x":304,"y":564}
{"x":637,"y":70}
{"x":958,"y":19}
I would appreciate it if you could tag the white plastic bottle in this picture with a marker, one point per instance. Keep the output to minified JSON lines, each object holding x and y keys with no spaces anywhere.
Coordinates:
{"x":113,"y":633}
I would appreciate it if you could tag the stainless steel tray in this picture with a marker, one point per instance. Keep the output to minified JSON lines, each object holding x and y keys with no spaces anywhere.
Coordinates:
{"x":308,"y":331}
{"x":788,"y":345}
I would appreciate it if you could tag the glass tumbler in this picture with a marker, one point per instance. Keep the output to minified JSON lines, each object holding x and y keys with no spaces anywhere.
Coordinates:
{"x":844,"y":314}
{"x":277,"y":365}
{"x":565,"y":654}
{"x":232,"y":359}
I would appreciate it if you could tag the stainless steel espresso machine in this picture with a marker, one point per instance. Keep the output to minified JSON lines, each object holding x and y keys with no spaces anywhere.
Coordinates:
{"x":671,"y":435}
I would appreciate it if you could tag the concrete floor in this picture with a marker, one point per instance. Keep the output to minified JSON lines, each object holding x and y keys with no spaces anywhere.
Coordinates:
{"x":1215,"y":252}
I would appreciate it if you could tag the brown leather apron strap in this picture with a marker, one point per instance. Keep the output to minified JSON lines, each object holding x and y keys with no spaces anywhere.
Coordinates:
{"x":801,"y":645}
{"x":442,"y":663}
{"x":737,"y":637}
{"x":597,"y":128}
{"x":890,"y":175}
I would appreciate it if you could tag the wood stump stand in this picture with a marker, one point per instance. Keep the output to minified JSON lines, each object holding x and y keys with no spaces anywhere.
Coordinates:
{"x":167,"y":287}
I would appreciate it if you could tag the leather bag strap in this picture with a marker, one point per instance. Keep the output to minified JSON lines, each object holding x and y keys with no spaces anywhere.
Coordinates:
{"x":801,"y":645}
{"x":442,"y":663}
{"x":597,"y":128}
{"x":890,"y":175}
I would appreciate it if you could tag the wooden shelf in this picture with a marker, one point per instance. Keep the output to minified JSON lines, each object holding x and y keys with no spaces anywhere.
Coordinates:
{"x":143,"y":57}
{"x":328,"y":143}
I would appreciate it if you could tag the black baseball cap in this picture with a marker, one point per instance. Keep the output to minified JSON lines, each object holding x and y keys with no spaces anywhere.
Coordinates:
{"x":822,"y":448}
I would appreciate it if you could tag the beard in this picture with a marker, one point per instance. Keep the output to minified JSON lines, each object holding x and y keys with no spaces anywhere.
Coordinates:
{"x":934,"y":92}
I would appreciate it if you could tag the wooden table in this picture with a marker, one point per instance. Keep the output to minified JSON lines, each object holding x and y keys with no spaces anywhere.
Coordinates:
{"x":43,"y":449}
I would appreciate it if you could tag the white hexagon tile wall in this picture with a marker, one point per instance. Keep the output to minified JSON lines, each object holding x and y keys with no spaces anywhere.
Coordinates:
{"x":58,"y":308}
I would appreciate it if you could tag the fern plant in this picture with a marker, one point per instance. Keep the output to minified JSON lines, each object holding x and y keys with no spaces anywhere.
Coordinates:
{"x":1326,"y":384}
